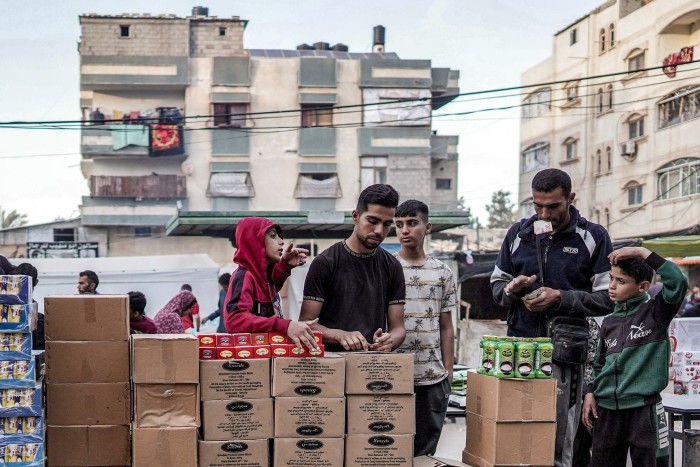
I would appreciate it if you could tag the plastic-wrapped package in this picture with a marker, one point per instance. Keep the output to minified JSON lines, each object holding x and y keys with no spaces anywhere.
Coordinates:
{"x":21,"y":430}
{"x":21,"y":402}
{"x":18,"y":374}
{"x":15,"y":290}
{"x":18,"y":318}
{"x":15,"y":346}
{"x":22,"y":455}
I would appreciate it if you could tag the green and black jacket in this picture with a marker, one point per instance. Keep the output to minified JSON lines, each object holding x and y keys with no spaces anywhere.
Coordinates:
{"x":631,"y":363}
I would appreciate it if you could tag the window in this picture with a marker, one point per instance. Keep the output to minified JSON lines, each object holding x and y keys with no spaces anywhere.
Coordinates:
{"x":635,"y":62}
{"x":64,"y":235}
{"x":316,"y":115}
{"x":612,"y":35}
{"x":318,"y":185}
{"x":679,"y":178}
{"x":601,"y":40}
{"x":600,"y":100}
{"x":598,"y":162}
{"x":372,"y":171}
{"x":535,"y":157}
{"x":233,"y":115}
{"x":634,"y":193}
{"x":571,"y":91}
{"x":443,"y":183}
{"x":222,"y":31}
{"x":636,"y":126}
{"x":597,"y":216}
{"x":230,"y":185}
{"x":143,"y":231}
{"x":571,"y":146}
{"x":124,"y":31}
{"x":527,"y":208}
{"x":607,"y":218}
{"x":679,"y":106}
{"x":610,"y":96}
{"x":573,"y":36}
{"x":538,"y":103}
{"x":608,"y":158}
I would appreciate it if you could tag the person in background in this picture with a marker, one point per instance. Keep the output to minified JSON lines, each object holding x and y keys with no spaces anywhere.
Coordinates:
{"x":623,"y":404}
{"x":355,"y":288}
{"x":138,"y":321}
{"x":169,"y":319}
{"x":191,"y":320}
{"x":252,"y":301}
{"x":88,"y":282}
{"x":26,"y":269}
{"x":431,"y":299}
{"x":224,"y":280}
{"x":5,"y":266}
{"x":692,"y":300}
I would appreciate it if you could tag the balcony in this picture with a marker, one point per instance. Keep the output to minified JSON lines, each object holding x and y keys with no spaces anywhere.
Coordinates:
{"x":126,"y":72}
{"x":139,"y":187}
{"x":155,"y":140}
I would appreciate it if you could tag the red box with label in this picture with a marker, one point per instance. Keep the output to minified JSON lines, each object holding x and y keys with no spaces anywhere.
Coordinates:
{"x":207,"y":340}
{"x":224,"y":353}
{"x":244,"y":352}
{"x":207,"y":353}
{"x":260,"y":338}
{"x":318,"y":336}
{"x":224,"y":340}
{"x":262,"y":351}
{"x":317,"y":353}
{"x":278,"y":338}
{"x":296,"y":352}
{"x":240,"y":339}
{"x":279,"y":350}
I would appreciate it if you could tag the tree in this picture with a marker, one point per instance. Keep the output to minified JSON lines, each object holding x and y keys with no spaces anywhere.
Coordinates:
{"x":500,"y":210}
{"x":11,"y":219}
{"x":468,"y":212}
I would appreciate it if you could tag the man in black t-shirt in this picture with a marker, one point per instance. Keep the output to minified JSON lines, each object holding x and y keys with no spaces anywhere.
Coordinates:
{"x":356,"y":289}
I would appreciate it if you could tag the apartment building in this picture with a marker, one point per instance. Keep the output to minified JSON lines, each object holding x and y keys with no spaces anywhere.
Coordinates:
{"x":184,"y":119}
{"x":616,"y":106}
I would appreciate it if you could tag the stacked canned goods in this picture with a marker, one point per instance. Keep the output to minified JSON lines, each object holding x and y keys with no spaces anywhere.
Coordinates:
{"x":516,"y":357}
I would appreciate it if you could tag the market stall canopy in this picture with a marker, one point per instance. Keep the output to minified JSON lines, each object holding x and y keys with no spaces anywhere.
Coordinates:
{"x":295,"y":224}
{"x":682,"y":246}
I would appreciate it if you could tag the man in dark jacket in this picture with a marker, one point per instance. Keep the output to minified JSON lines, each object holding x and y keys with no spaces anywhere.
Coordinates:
{"x":573,"y":281}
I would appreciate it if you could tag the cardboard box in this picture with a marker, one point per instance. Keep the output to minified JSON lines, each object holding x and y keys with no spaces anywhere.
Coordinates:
{"x":166,"y":405}
{"x":76,"y":317}
{"x":684,"y":334}
{"x":238,"y":419}
{"x":511,"y":399}
{"x":89,"y":445}
{"x":378,"y":372}
{"x":319,"y":452}
{"x":381,"y":413}
{"x":164,"y":358}
{"x":378,"y":450}
{"x":234,"y":379}
{"x":87,"y":361}
{"x":433,"y":461}
{"x":164,"y":446}
{"x":503,"y":443}
{"x":313,"y":377}
{"x":238,"y":453}
{"x":88,"y":404}
{"x":304,"y":417}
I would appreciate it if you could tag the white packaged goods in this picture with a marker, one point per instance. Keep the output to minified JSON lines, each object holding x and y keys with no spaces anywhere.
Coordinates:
{"x":686,"y":373}
{"x":684,"y":334}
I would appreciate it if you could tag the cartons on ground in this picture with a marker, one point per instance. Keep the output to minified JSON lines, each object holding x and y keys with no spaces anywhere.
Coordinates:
{"x":234,"y":379}
{"x":86,"y":317}
{"x":166,"y":405}
{"x":378,"y":450}
{"x":164,"y":446}
{"x":302,"y":417}
{"x":87,"y":361}
{"x":89,"y":445}
{"x":88,"y":404}
{"x":237,"y":453}
{"x":381,"y":413}
{"x":378,"y":373}
{"x":164,"y":358}
{"x":238,"y":419}
{"x":317,"y":452}
{"x":313,"y":377}
{"x":684,"y":334}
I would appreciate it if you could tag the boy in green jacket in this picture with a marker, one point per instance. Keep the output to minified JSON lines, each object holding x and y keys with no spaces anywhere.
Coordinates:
{"x":631,"y":364}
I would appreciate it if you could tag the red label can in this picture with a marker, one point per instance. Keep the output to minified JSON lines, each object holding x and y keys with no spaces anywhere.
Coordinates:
{"x":278,"y":338}
{"x":207,"y":353}
{"x":294,"y":351}
{"x":279,"y":350}
{"x":260,"y":338}
{"x":262,"y":351}
{"x":318,"y":337}
{"x":224,"y":353}
{"x":317,"y":353}
{"x":240,"y":339}
{"x":207,"y":340}
{"x":224,"y":340}
{"x":244,"y":352}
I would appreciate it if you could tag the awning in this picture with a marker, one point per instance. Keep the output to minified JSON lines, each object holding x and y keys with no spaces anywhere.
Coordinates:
{"x":680,"y":246}
{"x":687,"y":261}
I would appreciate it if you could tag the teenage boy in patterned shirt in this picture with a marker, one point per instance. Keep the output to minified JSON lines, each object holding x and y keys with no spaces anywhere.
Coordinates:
{"x":431,"y":299}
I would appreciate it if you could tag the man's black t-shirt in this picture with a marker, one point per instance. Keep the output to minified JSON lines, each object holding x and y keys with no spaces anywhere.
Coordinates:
{"x":355,"y":289}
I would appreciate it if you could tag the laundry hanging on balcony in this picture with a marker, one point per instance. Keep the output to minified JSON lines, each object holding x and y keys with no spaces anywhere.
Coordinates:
{"x":166,"y":140}
{"x":129,"y":135}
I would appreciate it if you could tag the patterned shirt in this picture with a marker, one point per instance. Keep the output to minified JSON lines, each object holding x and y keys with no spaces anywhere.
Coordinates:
{"x":430,"y":291}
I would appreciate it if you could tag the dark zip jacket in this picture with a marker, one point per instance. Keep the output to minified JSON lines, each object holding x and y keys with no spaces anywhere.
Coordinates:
{"x":575,"y":262}
{"x":631,"y":363}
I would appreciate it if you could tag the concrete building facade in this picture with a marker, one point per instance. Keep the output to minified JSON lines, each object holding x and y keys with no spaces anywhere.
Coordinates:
{"x":181,"y":117}
{"x":616,"y":107}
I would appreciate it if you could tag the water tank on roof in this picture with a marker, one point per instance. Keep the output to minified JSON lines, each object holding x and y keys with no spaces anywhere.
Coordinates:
{"x":305,"y":47}
{"x":340,"y":47}
{"x":379,"y":38}
{"x":322,"y":46}
{"x":200,"y":11}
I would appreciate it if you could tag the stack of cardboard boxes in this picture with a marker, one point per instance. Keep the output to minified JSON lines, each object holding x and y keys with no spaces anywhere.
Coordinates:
{"x":165,"y":377}
{"x":21,"y":411}
{"x":87,"y":374}
{"x":684,"y":334}
{"x":510,"y":421}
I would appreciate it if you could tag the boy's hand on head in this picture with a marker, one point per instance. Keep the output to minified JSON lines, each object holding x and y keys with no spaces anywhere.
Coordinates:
{"x":382,"y":341}
{"x":519,"y":283}
{"x":628,"y":252}
{"x":300,"y":332}
{"x":590,"y":407}
{"x":294,"y":256}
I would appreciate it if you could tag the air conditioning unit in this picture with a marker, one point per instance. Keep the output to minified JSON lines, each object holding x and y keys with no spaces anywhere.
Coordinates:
{"x":629,"y":148}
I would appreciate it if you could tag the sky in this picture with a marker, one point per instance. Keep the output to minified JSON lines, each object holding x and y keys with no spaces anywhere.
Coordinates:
{"x":491,"y":42}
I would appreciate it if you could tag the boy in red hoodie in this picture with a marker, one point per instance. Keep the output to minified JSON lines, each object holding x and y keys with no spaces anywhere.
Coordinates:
{"x":252,"y":301}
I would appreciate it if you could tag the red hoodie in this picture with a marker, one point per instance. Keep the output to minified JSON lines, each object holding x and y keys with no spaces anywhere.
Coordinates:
{"x":252,"y":293}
